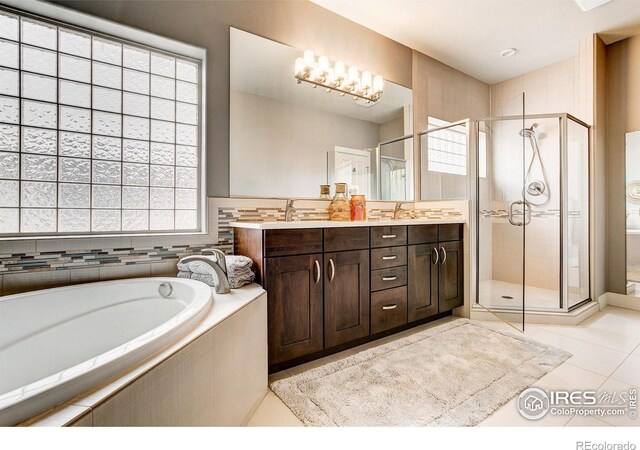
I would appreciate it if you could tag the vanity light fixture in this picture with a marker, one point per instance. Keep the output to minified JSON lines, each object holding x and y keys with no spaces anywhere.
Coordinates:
{"x":337,"y":78}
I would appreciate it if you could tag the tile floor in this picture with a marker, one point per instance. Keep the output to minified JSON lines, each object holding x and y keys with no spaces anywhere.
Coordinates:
{"x":606,"y":356}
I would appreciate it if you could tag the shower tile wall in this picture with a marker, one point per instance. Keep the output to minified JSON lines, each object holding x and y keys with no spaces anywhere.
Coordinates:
{"x":561,"y":87}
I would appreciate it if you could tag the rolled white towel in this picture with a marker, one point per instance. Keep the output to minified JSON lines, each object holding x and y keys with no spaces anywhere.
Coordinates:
{"x":234,"y":282}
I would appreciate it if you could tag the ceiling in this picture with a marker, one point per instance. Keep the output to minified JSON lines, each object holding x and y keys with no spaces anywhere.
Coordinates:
{"x":263,"y":67}
{"x":470,"y":34}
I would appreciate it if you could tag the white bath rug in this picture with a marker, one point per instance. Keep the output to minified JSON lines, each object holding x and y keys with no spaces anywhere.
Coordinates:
{"x":455,"y":374}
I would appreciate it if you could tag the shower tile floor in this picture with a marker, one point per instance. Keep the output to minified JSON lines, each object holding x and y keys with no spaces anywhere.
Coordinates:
{"x":493,"y":293}
{"x":606,"y":357}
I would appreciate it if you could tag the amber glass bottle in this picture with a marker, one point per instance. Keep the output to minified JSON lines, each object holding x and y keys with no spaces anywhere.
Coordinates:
{"x":340,"y":209}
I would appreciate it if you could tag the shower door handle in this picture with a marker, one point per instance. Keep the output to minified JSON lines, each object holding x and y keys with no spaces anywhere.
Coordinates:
{"x":526,"y":209}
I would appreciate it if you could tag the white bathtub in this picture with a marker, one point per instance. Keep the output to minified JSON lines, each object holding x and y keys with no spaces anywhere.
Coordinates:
{"x":57,"y":343}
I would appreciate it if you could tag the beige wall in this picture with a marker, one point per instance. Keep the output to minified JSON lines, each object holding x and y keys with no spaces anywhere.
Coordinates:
{"x":448,"y":94}
{"x":206,"y":24}
{"x":599,"y":248}
{"x":622,"y":115}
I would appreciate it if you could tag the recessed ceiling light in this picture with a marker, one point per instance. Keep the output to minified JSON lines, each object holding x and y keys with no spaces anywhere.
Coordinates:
{"x":588,"y":5}
{"x":508,"y":52}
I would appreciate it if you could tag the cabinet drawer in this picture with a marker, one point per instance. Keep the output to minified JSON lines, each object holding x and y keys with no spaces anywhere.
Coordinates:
{"x":388,"y":309}
{"x":381,"y":258}
{"x":388,"y":278}
{"x":423,"y":234}
{"x":340,"y":239}
{"x":388,"y":236}
{"x":450,"y":232}
{"x":292,"y":242}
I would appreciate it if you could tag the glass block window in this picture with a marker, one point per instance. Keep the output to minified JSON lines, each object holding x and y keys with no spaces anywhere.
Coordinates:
{"x":447,"y":148}
{"x":97,"y":135}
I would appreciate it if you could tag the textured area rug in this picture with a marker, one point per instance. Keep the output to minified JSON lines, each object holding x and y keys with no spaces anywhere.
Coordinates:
{"x":455,"y":374}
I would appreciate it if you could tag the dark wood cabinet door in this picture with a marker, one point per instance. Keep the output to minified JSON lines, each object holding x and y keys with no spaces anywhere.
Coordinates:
{"x":346,"y":296}
{"x":294,"y":306}
{"x":451,"y":275}
{"x":422,"y":283}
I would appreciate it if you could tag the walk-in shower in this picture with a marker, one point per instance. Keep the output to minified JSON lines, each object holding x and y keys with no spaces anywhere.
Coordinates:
{"x":532,"y":214}
{"x":528,"y":181}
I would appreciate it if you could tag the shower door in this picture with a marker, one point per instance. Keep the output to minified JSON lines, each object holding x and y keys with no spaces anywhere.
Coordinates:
{"x":504,"y":214}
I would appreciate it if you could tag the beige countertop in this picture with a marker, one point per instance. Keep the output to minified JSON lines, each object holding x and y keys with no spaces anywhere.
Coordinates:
{"x":281,"y":225}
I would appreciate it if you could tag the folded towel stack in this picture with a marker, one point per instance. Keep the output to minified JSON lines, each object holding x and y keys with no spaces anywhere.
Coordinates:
{"x":239,"y":271}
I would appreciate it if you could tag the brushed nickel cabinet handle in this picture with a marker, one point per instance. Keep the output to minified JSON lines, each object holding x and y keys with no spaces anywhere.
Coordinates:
{"x":435,"y":251}
{"x":388,"y":236}
{"x":333,"y":270}
{"x":390,"y":306}
{"x":387,"y":258}
{"x":389,"y":278}
{"x":444,"y":255}
{"x":317,"y":271}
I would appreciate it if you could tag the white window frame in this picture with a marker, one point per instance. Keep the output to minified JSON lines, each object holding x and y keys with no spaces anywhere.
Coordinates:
{"x":70,"y":19}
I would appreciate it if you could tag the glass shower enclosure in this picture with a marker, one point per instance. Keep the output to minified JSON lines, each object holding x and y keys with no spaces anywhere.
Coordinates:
{"x":532,"y":214}
{"x":527,"y":177}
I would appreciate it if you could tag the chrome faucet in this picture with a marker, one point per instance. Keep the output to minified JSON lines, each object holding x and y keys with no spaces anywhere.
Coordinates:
{"x":289,"y":210}
{"x":398,"y":210}
{"x":219,"y":268}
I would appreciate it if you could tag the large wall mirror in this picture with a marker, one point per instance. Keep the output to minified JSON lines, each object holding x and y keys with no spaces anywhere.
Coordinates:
{"x":633,"y":212}
{"x":286,"y":138}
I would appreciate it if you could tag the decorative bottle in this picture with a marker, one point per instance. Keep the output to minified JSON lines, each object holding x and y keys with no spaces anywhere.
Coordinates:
{"x":358,"y":207}
{"x":339,"y":209}
{"x":325,"y":192}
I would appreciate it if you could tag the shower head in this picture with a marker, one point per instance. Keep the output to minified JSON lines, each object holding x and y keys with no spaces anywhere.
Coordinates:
{"x":528,"y":132}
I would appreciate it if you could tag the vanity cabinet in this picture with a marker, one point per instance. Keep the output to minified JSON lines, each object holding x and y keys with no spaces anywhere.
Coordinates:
{"x":436,"y":264}
{"x":332,"y":288}
{"x":346,"y":296}
{"x":294,"y":305}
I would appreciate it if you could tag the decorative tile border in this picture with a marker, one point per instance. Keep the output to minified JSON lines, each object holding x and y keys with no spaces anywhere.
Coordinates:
{"x":536,"y":213}
{"x":72,"y":259}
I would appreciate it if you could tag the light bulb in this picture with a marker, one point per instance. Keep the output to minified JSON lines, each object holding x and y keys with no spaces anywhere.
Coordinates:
{"x":309,"y":59}
{"x":330,"y":76}
{"x":323,"y":64}
{"x":366,"y":79}
{"x":338,"y":74}
{"x":378,"y":84}
{"x":353,"y":75}
{"x":299,"y":66}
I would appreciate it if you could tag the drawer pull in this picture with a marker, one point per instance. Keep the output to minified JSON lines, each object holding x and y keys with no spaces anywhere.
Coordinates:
{"x":387,"y":258}
{"x":389,"y":278}
{"x":388,"y":236}
{"x":390,"y":306}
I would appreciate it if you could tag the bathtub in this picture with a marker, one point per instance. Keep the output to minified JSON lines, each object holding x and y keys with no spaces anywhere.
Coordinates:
{"x":57,"y":343}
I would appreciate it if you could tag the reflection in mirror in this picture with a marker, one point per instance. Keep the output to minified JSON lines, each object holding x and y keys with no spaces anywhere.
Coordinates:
{"x":286,"y":139}
{"x":633,"y":212}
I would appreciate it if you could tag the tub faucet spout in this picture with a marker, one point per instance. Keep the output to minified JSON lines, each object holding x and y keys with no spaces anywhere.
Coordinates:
{"x":218,"y":267}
